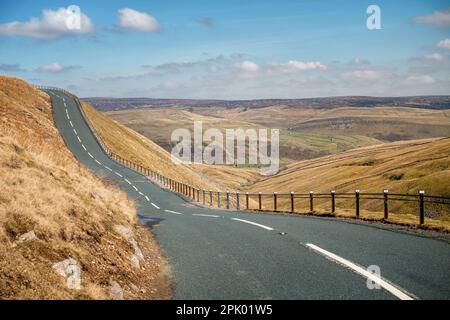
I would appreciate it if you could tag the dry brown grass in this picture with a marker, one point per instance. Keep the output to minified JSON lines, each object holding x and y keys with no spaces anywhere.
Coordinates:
{"x":72,"y":212}
{"x":401,"y":167}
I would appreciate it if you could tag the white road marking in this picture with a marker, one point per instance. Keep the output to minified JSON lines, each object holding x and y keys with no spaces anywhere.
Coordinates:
{"x":205,"y":215}
{"x":253,"y":223}
{"x":146,"y":198}
{"x":118,"y":174}
{"x":79,"y":139}
{"x":141,"y":193}
{"x":98,"y":162}
{"x":379,"y":280}
{"x":83,"y":147}
{"x":67,"y":115}
{"x":128,"y":181}
{"x":71,"y":124}
{"x":75,"y":131}
{"x":108,"y":168}
{"x":67,"y":112}
{"x":134,"y":187}
{"x":174,"y":212}
{"x":155,"y":206}
{"x":90,"y":155}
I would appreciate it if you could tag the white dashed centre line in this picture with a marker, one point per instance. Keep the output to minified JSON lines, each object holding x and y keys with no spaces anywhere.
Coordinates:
{"x":134,"y":187}
{"x":83,"y":147}
{"x":79,"y":139}
{"x":71,"y":124}
{"x":146,"y":198}
{"x":118,"y":174}
{"x":128,"y":181}
{"x":108,"y":168}
{"x":253,"y":223}
{"x":98,"y":162}
{"x":75,"y":131}
{"x":205,"y":215}
{"x":174,"y":212}
{"x":399,"y":293}
{"x":90,"y":155}
{"x":155,"y":206}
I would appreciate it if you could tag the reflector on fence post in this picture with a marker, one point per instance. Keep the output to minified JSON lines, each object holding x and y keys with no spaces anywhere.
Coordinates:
{"x":275,"y":201}
{"x":333,"y":201}
{"x":422,"y":206}
{"x":292,"y":201}
{"x":311,"y":201}
{"x":237,"y":200}
{"x":385,"y":195}
{"x":228,"y":199}
{"x":246,"y":200}
{"x":357,"y":202}
{"x":259,"y":201}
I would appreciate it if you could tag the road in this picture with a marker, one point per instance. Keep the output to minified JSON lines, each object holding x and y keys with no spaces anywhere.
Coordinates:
{"x":223,"y":254}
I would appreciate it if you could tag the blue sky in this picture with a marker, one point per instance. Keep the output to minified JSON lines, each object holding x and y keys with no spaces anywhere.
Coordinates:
{"x":229,"y":49}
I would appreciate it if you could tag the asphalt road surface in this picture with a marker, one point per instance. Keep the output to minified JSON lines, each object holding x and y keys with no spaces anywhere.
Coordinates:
{"x":223,"y":254}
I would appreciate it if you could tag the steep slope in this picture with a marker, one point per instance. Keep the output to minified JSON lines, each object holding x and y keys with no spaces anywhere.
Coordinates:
{"x":65,"y":211}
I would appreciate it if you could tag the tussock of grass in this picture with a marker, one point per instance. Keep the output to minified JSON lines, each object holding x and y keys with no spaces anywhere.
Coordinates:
{"x":44,"y":189}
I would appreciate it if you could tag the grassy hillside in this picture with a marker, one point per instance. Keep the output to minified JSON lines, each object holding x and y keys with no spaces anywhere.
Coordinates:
{"x":135,"y":147}
{"x":401,"y":167}
{"x":72,"y":213}
{"x":306,"y":133}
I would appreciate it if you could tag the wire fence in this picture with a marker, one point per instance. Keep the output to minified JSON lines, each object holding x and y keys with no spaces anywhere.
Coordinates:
{"x":420,"y":205}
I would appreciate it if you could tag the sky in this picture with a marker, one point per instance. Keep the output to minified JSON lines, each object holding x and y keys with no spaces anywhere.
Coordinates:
{"x":233,"y":49}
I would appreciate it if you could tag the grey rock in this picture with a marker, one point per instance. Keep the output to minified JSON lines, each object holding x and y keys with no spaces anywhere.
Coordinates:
{"x":70,"y":270}
{"x":115,"y":291}
{"x":29,"y":236}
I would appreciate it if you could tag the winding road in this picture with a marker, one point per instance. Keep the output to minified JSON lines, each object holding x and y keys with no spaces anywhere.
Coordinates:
{"x":223,"y":254}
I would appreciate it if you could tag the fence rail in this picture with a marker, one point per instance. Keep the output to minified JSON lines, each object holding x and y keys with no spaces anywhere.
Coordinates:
{"x":273,"y":202}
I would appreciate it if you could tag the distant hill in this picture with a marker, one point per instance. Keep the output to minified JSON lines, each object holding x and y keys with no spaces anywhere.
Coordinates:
{"x":425,"y":102}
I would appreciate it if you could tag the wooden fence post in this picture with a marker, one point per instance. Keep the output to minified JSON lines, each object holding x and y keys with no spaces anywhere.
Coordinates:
{"x":422,"y":206}
{"x":357,"y":202}
{"x":292,"y":201}
{"x":275,"y":202}
{"x":386,"y":210}
{"x":311,"y":201}
{"x":246,"y":200}
{"x":259,"y":201}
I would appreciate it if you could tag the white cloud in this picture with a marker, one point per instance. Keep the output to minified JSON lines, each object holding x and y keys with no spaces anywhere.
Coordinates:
{"x":140,"y":21}
{"x":419,"y":79}
{"x":300,"y":65}
{"x":434,"y":57}
{"x":365,"y":75}
{"x":444,"y":44}
{"x":55,"y":67}
{"x":293,"y":66}
{"x":437,"y":18}
{"x":247,"y":66}
{"x":53,"y":24}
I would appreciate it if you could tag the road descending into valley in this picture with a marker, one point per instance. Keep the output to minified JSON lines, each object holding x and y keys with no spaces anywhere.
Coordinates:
{"x":224,"y":254}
